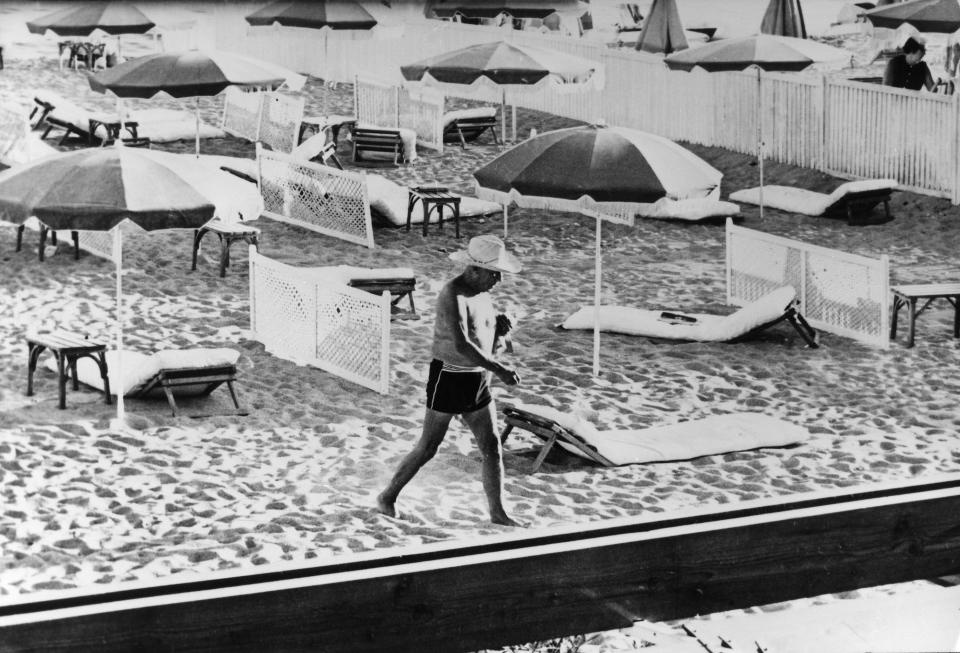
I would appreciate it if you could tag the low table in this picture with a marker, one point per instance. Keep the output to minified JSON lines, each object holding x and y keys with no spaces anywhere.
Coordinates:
{"x":433,"y":197}
{"x":319,"y":123}
{"x":113,"y":126}
{"x":909,"y":295}
{"x":67,"y":348}
{"x":228,"y":234}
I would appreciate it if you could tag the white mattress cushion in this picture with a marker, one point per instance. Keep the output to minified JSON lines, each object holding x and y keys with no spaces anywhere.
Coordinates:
{"x":196,"y":358}
{"x":807,"y":202}
{"x":704,"y":328}
{"x":479,"y":112}
{"x":695,"y":208}
{"x":389,"y":199}
{"x":137,"y":370}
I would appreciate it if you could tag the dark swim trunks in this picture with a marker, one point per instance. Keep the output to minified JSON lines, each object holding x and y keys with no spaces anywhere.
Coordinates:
{"x":452,"y":390}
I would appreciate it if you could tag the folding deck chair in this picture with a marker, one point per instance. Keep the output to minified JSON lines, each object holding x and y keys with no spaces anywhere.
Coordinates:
{"x":853,"y":200}
{"x":780,"y":305}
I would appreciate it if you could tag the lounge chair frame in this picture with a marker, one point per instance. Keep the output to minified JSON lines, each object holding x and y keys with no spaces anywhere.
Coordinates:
{"x":213,"y":377}
{"x":469,"y":129}
{"x":550,"y":432}
{"x":793,"y":316}
{"x":379,"y":141}
{"x":856,"y":207}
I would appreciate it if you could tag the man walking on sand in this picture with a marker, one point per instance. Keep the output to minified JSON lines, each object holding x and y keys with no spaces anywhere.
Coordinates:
{"x":467,"y":335}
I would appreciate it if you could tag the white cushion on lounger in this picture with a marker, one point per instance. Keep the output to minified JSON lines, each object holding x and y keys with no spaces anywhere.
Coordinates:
{"x":167,"y":125}
{"x":137,"y":370}
{"x":712,"y":435}
{"x":696,"y":208}
{"x":707,"y":328}
{"x":479,"y":112}
{"x":197,"y":357}
{"x":807,"y":202}
{"x":389,"y":199}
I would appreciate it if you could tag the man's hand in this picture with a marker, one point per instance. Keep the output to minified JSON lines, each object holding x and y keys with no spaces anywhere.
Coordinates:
{"x":507,"y":375}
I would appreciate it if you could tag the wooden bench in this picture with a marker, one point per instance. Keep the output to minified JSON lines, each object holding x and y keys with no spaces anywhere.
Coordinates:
{"x":377,"y":141}
{"x":469,"y":129}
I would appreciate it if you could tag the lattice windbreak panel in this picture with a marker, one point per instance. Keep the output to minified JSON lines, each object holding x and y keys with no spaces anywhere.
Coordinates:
{"x":280,"y":118}
{"x":375,"y":103}
{"x":98,"y":243}
{"x":241,"y":113}
{"x":13,"y":129}
{"x":842,"y":293}
{"x":333,"y":202}
{"x":308,"y":316}
{"x":424,"y":115}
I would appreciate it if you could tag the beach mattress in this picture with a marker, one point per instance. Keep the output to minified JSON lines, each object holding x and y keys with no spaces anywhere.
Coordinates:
{"x":461,"y":114}
{"x":686,"y":326}
{"x":709,"y":436}
{"x":692,"y":209}
{"x":389,"y":200}
{"x":807,"y":202}
{"x":139,"y":368}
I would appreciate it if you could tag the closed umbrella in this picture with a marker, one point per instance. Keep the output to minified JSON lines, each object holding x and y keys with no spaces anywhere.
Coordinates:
{"x":784,"y":18}
{"x":607,"y":172}
{"x":926,"y":15}
{"x":662,"y":30}
{"x":502,"y":64}
{"x":763,"y":51}
{"x":100,"y":189}
{"x":113,"y":18}
{"x":190,"y":73}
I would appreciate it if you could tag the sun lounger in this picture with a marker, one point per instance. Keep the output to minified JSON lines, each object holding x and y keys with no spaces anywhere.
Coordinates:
{"x":467,"y":125}
{"x":170,"y":373}
{"x":777,"y":306}
{"x":389,"y":202}
{"x":320,"y":148}
{"x":853,"y":200}
{"x":384,"y":142}
{"x":691,"y":210}
{"x":712,"y":435}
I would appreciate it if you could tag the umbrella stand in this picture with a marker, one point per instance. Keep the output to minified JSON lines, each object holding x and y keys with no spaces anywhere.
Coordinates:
{"x":596,"y":302}
{"x":118,"y":259}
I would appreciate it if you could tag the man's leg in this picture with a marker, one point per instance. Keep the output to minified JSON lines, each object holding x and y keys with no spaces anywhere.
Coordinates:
{"x":435,"y":426}
{"x":481,"y":424}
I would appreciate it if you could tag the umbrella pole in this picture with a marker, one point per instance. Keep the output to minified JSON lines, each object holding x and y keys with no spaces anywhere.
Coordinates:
{"x":596,"y":303}
{"x":118,"y":261}
{"x":514,"y":109}
{"x":505,"y":209}
{"x":197,"y":115}
{"x":760,"y":135}
{"x":503,"y":113}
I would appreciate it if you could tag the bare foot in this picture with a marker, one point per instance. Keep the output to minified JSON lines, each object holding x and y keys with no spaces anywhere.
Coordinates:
{"x":504,"y":520}
{"x":386,"y":507}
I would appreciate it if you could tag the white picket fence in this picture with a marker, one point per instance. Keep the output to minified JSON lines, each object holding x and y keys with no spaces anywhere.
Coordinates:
{"x":849,"y":129}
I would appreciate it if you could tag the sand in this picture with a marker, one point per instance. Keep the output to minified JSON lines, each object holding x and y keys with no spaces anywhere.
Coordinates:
{"x":86,"y":504}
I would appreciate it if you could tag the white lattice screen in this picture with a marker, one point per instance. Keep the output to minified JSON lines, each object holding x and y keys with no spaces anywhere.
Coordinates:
{"x":333,"y":202}
{"x":13,"y":129}
{"x":842,"y":293}
{"x":375,"y":103}
{"x":98,"y":243}
{"x":280,"y":118}
{"x":423,"y":113}
{"x":241,"y":113}
{"x":307,"y":316}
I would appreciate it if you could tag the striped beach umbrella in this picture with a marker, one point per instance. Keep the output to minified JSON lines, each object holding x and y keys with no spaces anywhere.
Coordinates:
{"x":111,"y":17}
{"x":662,"y":30}
{"x":316,"y":14}
{"x":926,"y":15}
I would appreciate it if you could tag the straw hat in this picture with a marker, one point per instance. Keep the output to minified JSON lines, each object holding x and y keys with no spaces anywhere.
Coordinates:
{"x":488,"y":252}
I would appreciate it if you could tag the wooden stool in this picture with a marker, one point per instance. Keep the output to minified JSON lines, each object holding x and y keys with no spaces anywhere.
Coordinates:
{"x":433,"y":197}
{"x":44,"y":230}
{"x":908,"y":296}
{"x":228,"y":234}
{"x":67,"y":348}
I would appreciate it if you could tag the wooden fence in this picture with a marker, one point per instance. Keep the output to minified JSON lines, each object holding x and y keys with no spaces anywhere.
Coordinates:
{"x":849,"y":129}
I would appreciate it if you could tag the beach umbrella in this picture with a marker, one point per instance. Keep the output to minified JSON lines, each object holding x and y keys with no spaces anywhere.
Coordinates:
{"x":494,"y":8}
{"x":114,"y":18}
{"x":926,"y":15}
{"x":325,"y":15}
{"x":762,"y":51}
{"x":662,"y":30}
{"x":605,"y":172}
{"x":505,"y":65}
{"x":190,"y":73}
{"x":101,"y":189}
{"x":784,"y":18}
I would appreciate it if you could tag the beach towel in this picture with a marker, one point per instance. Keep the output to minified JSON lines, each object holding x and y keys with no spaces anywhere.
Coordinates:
{"x":709,"y":436}
{"x":700,"y":327}
{"x":807,"y":202}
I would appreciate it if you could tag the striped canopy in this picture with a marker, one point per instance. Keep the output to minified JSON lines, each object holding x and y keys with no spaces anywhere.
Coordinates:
{"x":926,"y":15}
{"x":110,"y":17}
{"x":769,"y":52}
{"x":316,"y":14}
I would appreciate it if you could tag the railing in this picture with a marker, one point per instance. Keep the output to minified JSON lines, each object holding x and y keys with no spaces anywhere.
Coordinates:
{"x":846,"y":128}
